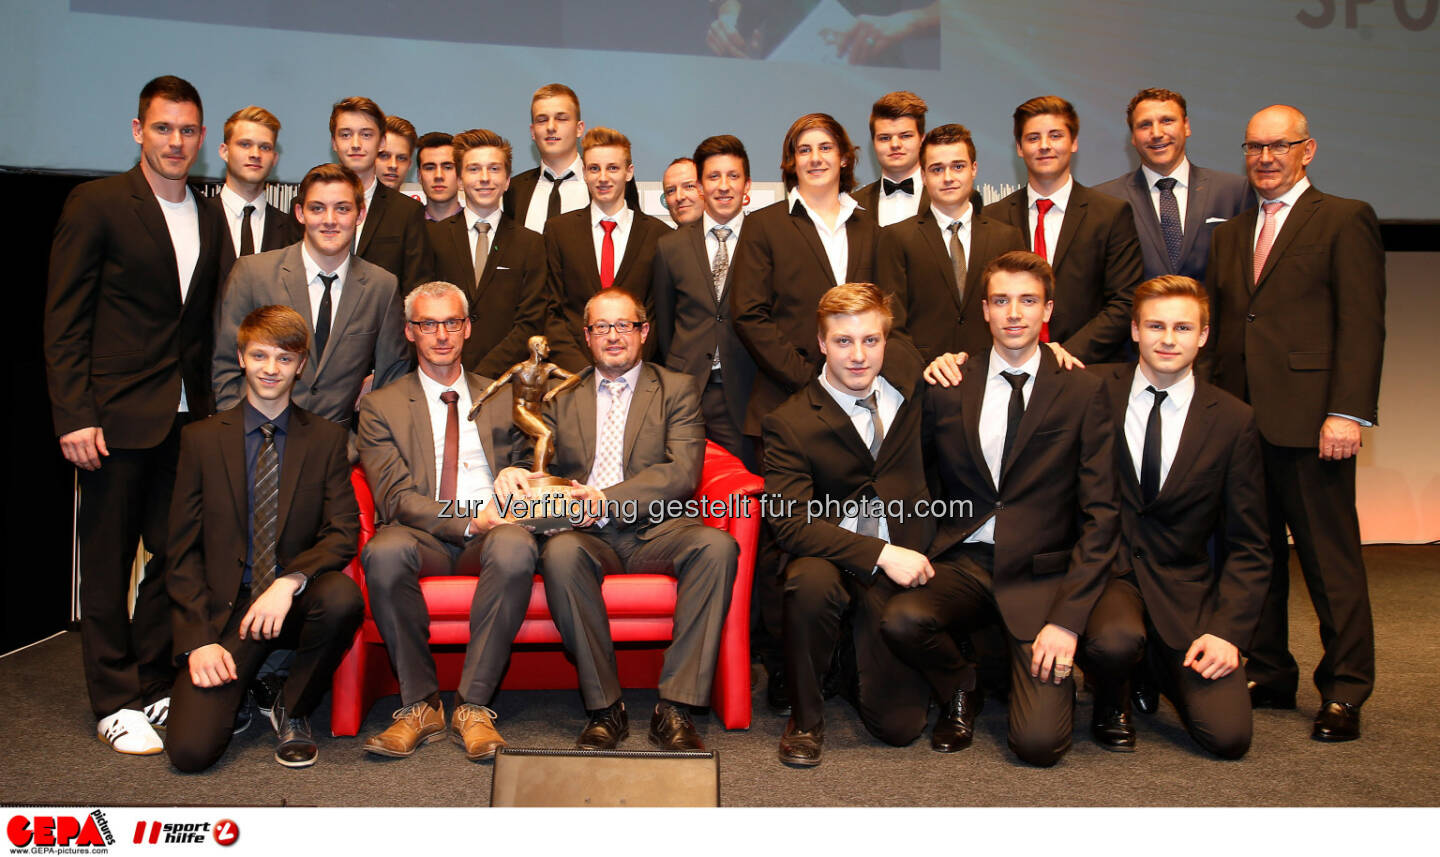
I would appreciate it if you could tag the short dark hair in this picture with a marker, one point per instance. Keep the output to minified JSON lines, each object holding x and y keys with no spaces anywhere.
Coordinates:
{"x":1154,"y":94}
{"x":720,"y":144}
{"x":899,"y":105}
{"x":1171,"y":286}
{"x":1020,"y":262}
{"x":478,"y":138}
{"x":275,"y":325}
{"x":170,"y":88}
{"x":433,"y":140}
{"x":1047,"y":105}
{"x":331,"y":174}
{"x":947,"y":135}
{"x":357,"y":104}
{"x":822,"y":122}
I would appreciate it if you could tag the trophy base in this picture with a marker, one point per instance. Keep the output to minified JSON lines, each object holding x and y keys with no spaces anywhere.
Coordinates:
{"x":547,"y":511}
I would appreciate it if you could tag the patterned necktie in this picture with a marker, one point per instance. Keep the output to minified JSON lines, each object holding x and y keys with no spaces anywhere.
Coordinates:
{"x":265,"y":491}
{"x":865,"y":523}
{"x":450,"y":460}
{"x":607,"y":254}
{"x":1150,"y":454}
{"x":1014,"y":415}
{"x":1170,"y":220}
{"x":1042,"y":207}
{"x":482,"y":248}
{"x":552,"y":207}
{"x":247,"y":238}
{"x":957,"y":259}
{"x":322,"y":320}
{"x":608,"y":470}
{"x":721,"y":263}
{"x":1267,"y":237}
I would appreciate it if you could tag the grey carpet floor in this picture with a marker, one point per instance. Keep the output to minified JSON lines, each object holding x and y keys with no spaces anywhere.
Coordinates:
{"x":52,"y":756}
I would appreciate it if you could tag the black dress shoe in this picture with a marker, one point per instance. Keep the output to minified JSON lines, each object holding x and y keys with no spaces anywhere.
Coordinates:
{"x":777,"y":695}
{"x":1144,"y":695}
{"x":1266,"y":697}
{"x":265,"y":690}
{"x":671,"y":729}
{"x":956,"y":727}
{"x":1337,"y":721}
{"x":1111,"y":725}
{"x":801,"y":749}
{"x":294,"y":746}
{"x":606,"y":729}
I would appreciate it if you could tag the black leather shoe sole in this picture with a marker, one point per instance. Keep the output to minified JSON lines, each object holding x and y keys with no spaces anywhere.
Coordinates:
{"x":950,"y":745}
{"x":297,"y":757}
{"x":798,"y":761}
{"x":601,"y":744}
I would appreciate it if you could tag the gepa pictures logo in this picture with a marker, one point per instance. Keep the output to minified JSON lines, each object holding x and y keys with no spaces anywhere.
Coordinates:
{"x":43,"y":833}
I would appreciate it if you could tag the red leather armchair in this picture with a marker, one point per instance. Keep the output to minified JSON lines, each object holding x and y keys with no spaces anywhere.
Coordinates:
{"x":640,"y":607}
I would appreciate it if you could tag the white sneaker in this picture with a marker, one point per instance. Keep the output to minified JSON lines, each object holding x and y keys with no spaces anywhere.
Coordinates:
{"x":128,"y":731}
{"x":158,"y":712}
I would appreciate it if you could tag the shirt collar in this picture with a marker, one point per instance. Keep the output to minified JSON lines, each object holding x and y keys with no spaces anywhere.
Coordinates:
{"x":1181,"y":175}
{"x":1030,"y":367}
{"x":622,"y":217}
{"x":471,"y":218}
{"x":631,"y":377}
{"x":965,"y":218}
{"x":433,"y":388}
{"x":733,"y":225}
{"x":1061,"y":197}
{"x":1179,"y":392}
{"x":847,"y":205}
{"x":576,"y":169}
{"x":235,"y":203}
{"x":313,"y":270}
{"x":254,"y":419}
{"x":1291,"y":195}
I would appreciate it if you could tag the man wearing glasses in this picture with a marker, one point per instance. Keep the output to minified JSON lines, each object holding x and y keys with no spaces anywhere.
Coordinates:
{"x":352,"y":305}
{"x":1299,"y":333}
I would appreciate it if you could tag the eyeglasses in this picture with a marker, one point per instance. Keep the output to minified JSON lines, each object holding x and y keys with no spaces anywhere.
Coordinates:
{"x":602,"y":328}
{"x":452,"y":325}
{"x":1279,"y":147}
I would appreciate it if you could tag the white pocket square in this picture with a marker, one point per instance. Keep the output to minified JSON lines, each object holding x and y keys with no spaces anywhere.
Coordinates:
{"x":501,"y":268}
{"x":1215,"y":219}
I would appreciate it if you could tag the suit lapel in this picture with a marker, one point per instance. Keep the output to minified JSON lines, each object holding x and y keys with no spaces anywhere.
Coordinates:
{"x":1195,"y":208}
{"x":1146,"y":222}
{"x":696,"y":239}
{"x":936,"y":240}
{"x":422,"y":439}
{"x":1070,"y":224}
{"x":297,"y":446}
{"x":459,"y":236}
{"x":811,"y":237}
{"x":232,"y":453}
{"x":492,"y":260}
{"x":838,"y":422}
{"x":856,"y":251}
{"x":1120,"y":383}
{"x":647,"y":387}
{"x":1013,"y":210}
{"x":1192,"y":437}
{"x":1047,"y":387}
{"x":147,"y":211}
{"x":353,"y":292}
{"x":639,"y":229}
{"x":373,"y":216}
{"x":1245,"y":249}
{"x":1295,"y":221}
{"x":972,"y":399}
{"x":584,"y":396}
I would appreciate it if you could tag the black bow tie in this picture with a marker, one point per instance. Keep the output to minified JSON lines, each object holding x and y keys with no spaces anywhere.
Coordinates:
{"x":890,"y":187}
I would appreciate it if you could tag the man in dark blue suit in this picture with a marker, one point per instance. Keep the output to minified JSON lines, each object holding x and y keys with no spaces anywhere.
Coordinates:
{"x":1176,"y":204}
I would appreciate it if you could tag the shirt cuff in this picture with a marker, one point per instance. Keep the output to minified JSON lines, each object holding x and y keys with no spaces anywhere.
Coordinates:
{"x":1365,"y":423}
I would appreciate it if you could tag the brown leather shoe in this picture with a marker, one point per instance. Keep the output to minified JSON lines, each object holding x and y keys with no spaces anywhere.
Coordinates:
{"x":415,"y":724}
{"x":473,"y":727}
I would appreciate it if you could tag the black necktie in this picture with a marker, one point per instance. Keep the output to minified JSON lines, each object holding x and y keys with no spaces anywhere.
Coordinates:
{"x":247,"y":238}
{"x":1150,"y":456}
{"x":890,"y":187}
{"x":553,"y":208}
{"x":266,"y":494}
{"x":322,"y":324}
{"x":1017,"y":411}
{"x":1170,"y":220}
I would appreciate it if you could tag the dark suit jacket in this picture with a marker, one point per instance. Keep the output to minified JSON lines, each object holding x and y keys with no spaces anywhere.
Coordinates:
{"x":1309,"y":338}
{"x":393,"y":236}
{"x":869,"y":199}
{"x":509,"y":304}
{"x":691,"y":324}
{"x":1214,"y":198}
{"x":397,"y":450}
{"x":320,"y":522}
{"x":573,"y":277}
{"x":281,"y":230}
{"x":1056,"y":508}
{"x":914,"y":265}
{"x":118,"y":339}
{"x":516,"y":201}
{"x":813,"y":452}
{"x":1216,"y":484}
{"x":779,"y":273}
{"x":367,"y":331}
{"x":1097,"y":267}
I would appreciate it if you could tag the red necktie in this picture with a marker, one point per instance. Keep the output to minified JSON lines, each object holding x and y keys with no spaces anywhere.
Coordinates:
{"x":607,"y":255}
{"x":1042,"y":206}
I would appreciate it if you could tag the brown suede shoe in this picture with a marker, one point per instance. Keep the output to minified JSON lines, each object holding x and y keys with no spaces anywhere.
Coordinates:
{"x":473,"y":727}
{"x":415,"y":724}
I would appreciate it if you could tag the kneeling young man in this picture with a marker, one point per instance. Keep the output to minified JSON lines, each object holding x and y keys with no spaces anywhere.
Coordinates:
{"x":1188,"y":467}
{"x":1027,"y":447}
{"x":238,"y":471}
{"x":852,"y":434}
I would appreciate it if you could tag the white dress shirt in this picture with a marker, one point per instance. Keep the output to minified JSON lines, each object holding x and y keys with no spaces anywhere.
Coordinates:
{"x":573,"y":193}
{"x":1173,"y":411}
{"x":234,"y":205}
{"x":994,"y":419}
{"x":1181,"y":175}
{"x":888,"y":400}
{"x":471,"y":218}
{"x":317,"y":288}
{"x":1054,"y":218}
{"x":944,"y":221}
{"x":603,"y":403}
{"x":835,"y":241}
{"x":182,"y":220}
{"x":473,"y":480}
{"x":620,"y":236}
{"x":899,"y":205}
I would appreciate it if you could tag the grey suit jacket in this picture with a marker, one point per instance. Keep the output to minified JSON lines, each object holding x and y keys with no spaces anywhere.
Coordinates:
{"x":397,"y":450}
{"x":368,"y":330}
{"x":663,"y":451}
{"x":1214,"y":198}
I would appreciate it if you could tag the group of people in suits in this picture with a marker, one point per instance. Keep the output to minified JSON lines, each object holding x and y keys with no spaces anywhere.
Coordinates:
{"x":861,"y":346}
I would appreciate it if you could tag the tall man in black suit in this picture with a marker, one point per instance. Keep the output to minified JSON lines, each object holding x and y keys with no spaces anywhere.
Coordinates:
{"x":397,"y":152}
{"x":1176,"y":204}
{"x":353,"y":306}
{"x":1088,"y":237}
{"x":1027,"y":447}
{"x":607,"y":244}
{"x":1187,"y":467}
{"x":255,"y":226}
{"x":421,"y":474}
{"x":850,"y":439}
{"x":128,"y":332}
{"x":508,"y":297}
{"x":630,"y":438}
{"x":394,"y":235}
{"x":691,"y":289}
{"x":1300,"y":334}
{"x":239,"y":470}
{"x":897,"y":125}
{"x":920,"y":259}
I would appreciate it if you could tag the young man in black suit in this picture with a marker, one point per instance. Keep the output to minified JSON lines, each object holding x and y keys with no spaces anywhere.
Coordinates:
{"x":1087,"y":237}
{"x":1187,"y":467}
{"x":435,"y":168}
{"x":1026,"y":447}
{"x":397,"y":152}
{"x":507,"y":292}
{"x":1299,"y":332}
{"x":1176,"y":204}
{"x":254,"y":225}
{"x":691,"y":289}
{"x":897,"y":125}
{"x":932,"y":261}
{"x":246,"y":465}
{"x":849,"y":441}
{"x":606,"y":244}
{"x":129,"y":321}
{"x":393,"y":235}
